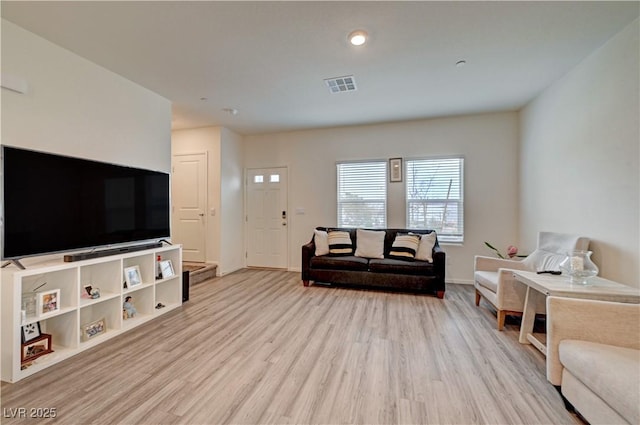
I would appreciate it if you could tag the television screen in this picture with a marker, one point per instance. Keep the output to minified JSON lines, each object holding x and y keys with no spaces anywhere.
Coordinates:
{"x":53,"y":203}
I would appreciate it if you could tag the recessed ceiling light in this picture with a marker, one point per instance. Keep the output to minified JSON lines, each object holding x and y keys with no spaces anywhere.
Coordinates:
{"x":232,"y":111}
{"x":357,"y":37}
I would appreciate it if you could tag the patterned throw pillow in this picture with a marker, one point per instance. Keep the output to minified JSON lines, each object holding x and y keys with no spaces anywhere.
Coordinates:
{"x":340,"y":243}
{"x":404,"y":247}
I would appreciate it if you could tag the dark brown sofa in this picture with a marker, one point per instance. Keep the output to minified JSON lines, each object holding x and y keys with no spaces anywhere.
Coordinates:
{"x":419,"y":276}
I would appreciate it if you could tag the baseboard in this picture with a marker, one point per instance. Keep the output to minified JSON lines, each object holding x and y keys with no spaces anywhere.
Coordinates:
{"x":294,"y":269}
{"x":460,"y":281}
{"x":226,"y":272}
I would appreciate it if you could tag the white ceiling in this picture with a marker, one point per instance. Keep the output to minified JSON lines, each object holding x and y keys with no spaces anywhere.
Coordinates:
{"x":269,"y":59}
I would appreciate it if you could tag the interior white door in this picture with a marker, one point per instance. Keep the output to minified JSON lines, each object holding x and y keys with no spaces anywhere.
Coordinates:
{"x":189,"y":198}
{"x":267,"y":218}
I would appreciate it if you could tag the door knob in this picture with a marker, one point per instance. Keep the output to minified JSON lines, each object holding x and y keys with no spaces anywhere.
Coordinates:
{"x":201,"y":214}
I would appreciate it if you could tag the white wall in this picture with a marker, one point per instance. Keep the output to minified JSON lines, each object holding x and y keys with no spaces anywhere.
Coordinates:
{"x":223,"y":231}
{"x":580,"y":157}
{"x":205,"y":140}
{"x":488,"y":142}
{"x":77,"y":108}
{"x":232,"y":199}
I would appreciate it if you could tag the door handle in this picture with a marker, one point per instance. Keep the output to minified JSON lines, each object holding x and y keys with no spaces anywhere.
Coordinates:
{"x":201,"y":214}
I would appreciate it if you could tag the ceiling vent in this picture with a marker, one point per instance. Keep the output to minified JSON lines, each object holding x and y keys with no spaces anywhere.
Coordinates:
{"x":341,"y":84}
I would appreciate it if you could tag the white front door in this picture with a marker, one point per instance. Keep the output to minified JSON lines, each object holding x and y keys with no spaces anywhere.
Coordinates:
{"x":189,"y":198}
{"x":267,"y":218}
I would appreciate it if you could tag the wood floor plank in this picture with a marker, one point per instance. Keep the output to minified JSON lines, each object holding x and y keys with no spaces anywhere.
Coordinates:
{"x":256,"y":347}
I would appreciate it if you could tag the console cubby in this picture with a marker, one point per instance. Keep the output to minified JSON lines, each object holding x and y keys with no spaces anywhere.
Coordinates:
{"x":63,"y":329}
{"x":168,"y":294}
{"x":77,"y":308}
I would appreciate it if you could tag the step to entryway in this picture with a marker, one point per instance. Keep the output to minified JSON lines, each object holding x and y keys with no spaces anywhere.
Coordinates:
{"x":199,"y":272}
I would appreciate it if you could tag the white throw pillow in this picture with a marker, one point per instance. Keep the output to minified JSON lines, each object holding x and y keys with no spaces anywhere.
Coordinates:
{"x":321,"y":239}
{"x":370,"y":243}
{"x":425,"y":249}
{"x":541,"y":260}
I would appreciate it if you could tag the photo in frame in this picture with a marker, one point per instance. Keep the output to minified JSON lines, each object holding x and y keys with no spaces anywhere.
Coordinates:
{"x":31,"y":331}
{"x":91,"y":330}
{"x":132,"y":276}
{"x":395,"y":170}
{"x":35,"y":348}
{"x":48,"y":302}
{"x":166,"y":269}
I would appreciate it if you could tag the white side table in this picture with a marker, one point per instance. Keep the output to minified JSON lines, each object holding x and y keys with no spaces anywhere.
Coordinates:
{"x":544,"y":285}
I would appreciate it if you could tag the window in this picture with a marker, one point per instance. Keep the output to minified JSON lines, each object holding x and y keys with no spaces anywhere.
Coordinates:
{"x":362,"y":194}
{"x":435,"y":196}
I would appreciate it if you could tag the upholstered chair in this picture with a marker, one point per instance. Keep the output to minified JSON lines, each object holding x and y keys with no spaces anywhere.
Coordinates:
{"x":493,"y":277}
{"x":593,"y":355}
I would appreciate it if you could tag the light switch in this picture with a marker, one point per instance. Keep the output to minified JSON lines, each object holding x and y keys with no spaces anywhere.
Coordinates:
{"x":299,"y":211}
{"x":213,"y":212}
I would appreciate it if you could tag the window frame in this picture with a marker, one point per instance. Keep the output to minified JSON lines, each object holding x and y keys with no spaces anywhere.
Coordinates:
{"x":340,"y":203}
{"x":456,"y":237}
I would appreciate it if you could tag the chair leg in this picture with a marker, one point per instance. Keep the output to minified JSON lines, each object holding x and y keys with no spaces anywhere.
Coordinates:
{"x":478,"y":296}
{"x":502,"y":315}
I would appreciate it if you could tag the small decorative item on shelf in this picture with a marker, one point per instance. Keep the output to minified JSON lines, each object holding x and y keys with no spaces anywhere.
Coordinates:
{"x":579,"y":267}
{"x":29,"y":303}
{"x":129,"y":308}
{"x":132,"y":276}
{"x":159,"y":267}
{"x":35,"y":348}
{"x":166,"y":269}
{"x":93,"y":329}
{"x":48,"y":302}
{"x":91,"y":292}
{"x":31,"y":332}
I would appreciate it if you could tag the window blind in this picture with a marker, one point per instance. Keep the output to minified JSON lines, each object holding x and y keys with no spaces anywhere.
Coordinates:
{"x":362,"y":194}
{"x":435,"y":196}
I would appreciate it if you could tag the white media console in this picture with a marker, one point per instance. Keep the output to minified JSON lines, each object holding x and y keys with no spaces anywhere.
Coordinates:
{"x":75,"y":309}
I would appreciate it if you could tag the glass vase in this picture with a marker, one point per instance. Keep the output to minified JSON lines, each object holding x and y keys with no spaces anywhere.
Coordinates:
{"x":579,"y":267}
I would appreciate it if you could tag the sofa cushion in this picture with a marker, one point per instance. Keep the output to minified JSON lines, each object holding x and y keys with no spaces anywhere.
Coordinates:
{"x":340,"y":243}
{"x":321,"y":240}
{"x":487,"y":279}
{"x":404,"y":246}
{"x":370,"y":243}
{"x":425,"y":248}
{"x":608,"y":371}
{"x":389,"y":265}
{"x":328,"y":262}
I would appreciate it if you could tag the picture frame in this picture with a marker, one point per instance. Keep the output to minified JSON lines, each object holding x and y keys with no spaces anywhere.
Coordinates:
{"x":48,"y":302}
{"x":35,"y":348}
{"x":93,"y":329}
{"x":166,"y":269}
{"x":30,"y":331}
{"x":395,"y":170}
{"x":132,"y":276}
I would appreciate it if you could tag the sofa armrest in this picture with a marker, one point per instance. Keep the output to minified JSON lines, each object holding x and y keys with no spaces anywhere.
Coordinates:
{"x":439,"y":262}
{"x":491,"y":264}
{"x":308,"y":251}
{"x":602,"y":322}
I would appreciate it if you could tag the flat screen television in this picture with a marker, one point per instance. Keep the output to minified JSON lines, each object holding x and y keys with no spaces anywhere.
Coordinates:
{"x":54,"y":203}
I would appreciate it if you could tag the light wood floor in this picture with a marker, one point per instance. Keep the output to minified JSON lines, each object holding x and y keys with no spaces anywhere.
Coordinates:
{"x":257,"y":347}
